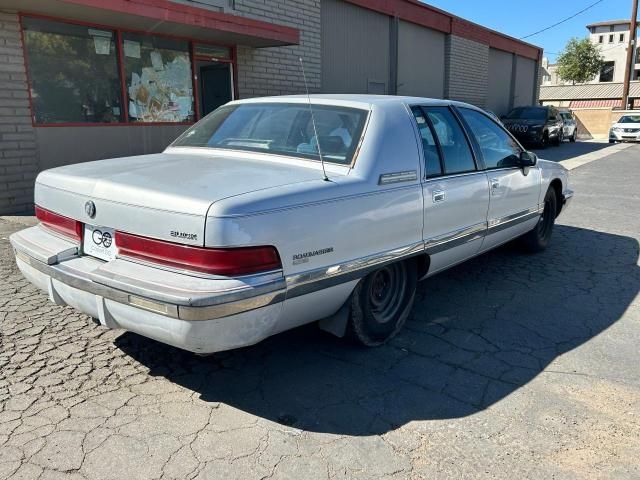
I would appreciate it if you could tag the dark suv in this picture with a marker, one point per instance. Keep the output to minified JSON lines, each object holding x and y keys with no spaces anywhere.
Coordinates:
{"x":535,"y":125}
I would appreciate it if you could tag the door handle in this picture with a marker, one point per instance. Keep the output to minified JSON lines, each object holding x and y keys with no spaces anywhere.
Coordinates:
{"x":495,"y":184}
{"x":438,"y":196}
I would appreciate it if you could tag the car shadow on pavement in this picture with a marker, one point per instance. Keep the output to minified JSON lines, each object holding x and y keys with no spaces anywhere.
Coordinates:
{"x":568,"y":150}
{"x":478,"y":332}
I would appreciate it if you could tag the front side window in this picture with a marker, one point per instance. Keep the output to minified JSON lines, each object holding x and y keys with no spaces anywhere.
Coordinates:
{"x":281,"y":128}
{"x":158,"y":78}
{"x":457,"y":156}
{"x":498,"y":148}
{"x":73,"y":72}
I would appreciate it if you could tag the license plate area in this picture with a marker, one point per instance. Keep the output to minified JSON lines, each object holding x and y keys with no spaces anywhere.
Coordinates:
{"x":99,"y":242}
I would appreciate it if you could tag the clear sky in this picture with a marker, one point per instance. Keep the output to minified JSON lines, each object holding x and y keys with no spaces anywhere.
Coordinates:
{"x":519,"y":18}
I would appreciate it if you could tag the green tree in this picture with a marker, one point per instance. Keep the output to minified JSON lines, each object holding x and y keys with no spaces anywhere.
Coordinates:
{"x":580,"y":61}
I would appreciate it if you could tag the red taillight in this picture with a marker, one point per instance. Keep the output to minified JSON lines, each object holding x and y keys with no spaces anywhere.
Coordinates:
{"x":217,"y":261}
{"x":61,"y":224}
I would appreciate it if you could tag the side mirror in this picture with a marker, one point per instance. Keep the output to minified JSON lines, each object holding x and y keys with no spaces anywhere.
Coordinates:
{"x":528,"y":159}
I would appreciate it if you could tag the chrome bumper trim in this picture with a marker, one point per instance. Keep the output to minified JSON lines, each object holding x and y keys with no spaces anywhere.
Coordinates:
{"x":81,"y":281}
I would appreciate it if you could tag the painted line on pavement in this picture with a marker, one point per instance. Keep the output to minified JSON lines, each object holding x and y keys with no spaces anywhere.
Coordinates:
{"x":580,"y":160}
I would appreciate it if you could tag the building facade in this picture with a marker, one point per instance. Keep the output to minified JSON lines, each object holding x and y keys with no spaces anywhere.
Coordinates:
{"x":84,"y":80}
{"x":612,"y":38}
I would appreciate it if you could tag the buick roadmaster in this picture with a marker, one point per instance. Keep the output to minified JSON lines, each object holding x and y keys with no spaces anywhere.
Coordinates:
{"x":275,"y":212}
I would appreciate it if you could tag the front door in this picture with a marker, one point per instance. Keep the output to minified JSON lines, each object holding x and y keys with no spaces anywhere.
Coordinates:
{"x":515,"y":192}
{"x":215,"y":86}
{"x":456,"y":193}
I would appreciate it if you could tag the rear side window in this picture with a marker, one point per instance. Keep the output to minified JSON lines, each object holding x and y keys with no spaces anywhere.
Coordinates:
{"x":429,"y":147}
{"x":498,"y":148}
{"x":457,"y":156}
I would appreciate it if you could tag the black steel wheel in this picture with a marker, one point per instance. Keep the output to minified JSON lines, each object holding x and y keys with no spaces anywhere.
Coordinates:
{"x":538,"y":239}
{"x":381,"y":303}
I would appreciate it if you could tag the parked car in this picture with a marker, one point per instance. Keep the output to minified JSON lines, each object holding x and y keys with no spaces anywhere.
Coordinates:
{"x":570,"y":129}
{"x":234,"y":233}
{"x":627,"y":129}
{"x":535,"y":125}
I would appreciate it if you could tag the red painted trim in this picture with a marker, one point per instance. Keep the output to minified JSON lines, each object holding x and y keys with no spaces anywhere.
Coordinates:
{"x":121,"y":71}
{"x":26,"y":70}
{"x":167,"y":11}
{"x":195,"y":79}
{"x":427,"y":16}
{"x":114,"y":124}
{"x":234,"y":73}
{"x":124,"y":94}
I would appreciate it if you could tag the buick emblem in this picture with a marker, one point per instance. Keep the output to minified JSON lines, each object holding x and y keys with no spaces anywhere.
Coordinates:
{"x":90,"y":209}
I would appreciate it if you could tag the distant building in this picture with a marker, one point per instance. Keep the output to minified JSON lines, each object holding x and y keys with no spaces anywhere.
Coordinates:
{"x":605,"y":90}
{"x":613,"y":38}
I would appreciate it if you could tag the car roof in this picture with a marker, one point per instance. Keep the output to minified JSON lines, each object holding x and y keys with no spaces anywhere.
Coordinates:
{"x":354,"y":100}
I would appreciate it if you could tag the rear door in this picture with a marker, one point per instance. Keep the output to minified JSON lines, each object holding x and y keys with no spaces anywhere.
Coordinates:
{"x":456,"y":192}
{"x":513,"y":204}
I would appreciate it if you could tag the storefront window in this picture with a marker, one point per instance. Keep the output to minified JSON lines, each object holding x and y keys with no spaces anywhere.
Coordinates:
{"x":158,"y":78}
{"x":73,"y":72}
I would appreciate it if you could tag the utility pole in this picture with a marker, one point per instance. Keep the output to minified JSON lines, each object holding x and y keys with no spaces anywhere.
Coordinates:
{"x":630,"y":55}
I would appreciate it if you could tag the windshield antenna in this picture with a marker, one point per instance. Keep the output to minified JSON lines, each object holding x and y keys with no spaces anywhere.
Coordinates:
{"x":313,"y":122}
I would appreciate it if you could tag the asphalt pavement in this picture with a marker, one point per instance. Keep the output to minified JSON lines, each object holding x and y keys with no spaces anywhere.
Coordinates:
{"x":511,"y":366}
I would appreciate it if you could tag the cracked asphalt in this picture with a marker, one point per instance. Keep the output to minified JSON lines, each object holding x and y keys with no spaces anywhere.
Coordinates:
{"x":512,"y":366}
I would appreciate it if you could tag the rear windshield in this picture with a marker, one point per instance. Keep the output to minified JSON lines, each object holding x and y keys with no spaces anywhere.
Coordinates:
{"x":630,"y":119}
{"x":528,"y":113}
{"x":280,"y":128}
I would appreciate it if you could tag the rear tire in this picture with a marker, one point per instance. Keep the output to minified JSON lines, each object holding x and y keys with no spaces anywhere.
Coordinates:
{"x":381,"y":303}
{"x":538,"y":239}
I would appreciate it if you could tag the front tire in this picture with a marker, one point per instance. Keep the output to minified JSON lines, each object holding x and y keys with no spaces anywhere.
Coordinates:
{"x":574,"y":136}
{"x":559,"y":138}
{"x":544,"y":141}
{"x":381,"y":303}
{"x":538,"y":239}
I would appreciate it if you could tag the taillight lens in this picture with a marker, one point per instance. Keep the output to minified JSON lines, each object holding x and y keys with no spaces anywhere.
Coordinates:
{"x":217,"y":261}
{"x":66,"y":226}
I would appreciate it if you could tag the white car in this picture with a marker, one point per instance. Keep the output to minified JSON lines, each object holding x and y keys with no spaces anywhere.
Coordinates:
{"x":627,"y":129}
{"x":242,"y":228}
{"x":570,"y":128}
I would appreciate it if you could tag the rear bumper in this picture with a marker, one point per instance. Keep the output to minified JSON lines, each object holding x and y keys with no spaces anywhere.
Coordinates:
{"x":194,"y":313}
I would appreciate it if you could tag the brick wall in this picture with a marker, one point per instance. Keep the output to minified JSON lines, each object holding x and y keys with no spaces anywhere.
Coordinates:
{"x":18,"y":153}
{"x":276,"y":71}
{"x":466,"y":70}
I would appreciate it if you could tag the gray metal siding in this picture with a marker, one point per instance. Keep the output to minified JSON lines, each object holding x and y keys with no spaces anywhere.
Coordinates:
{"x":500,"y":67}
{"x":420,"y":61}
{"x":66,"y":145}
{"x":525,"y":82}
{"x":355,"y":49}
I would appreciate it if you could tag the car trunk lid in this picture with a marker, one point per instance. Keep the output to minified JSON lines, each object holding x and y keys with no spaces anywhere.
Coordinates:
{"x":164,"y":196}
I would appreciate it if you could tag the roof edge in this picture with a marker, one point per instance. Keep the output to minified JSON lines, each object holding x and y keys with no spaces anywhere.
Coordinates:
{"x":428,"y":16}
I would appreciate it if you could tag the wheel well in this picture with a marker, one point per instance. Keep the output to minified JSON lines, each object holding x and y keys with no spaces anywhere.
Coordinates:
{"x":422,"y":264}
{"x":556,"y":184}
